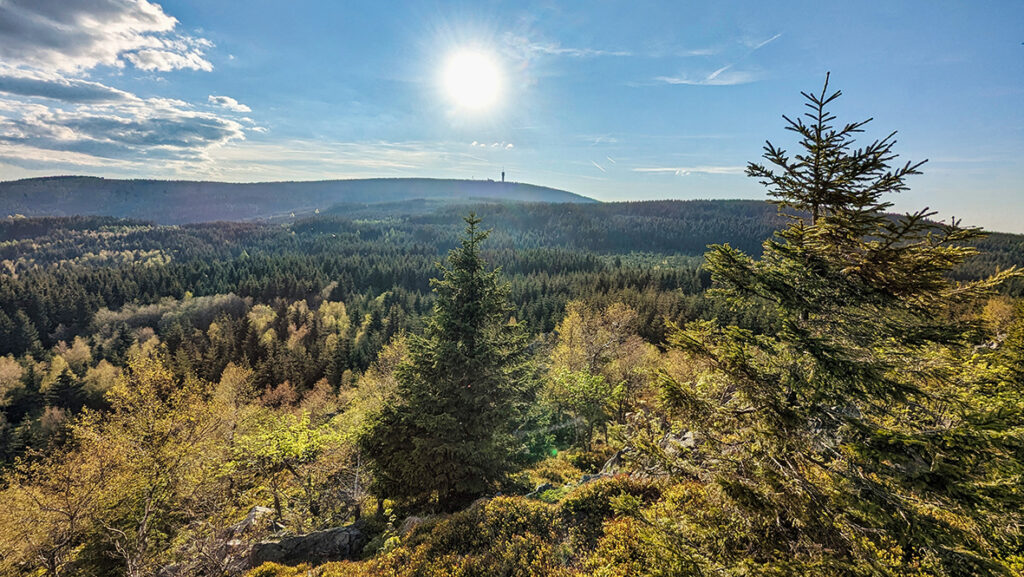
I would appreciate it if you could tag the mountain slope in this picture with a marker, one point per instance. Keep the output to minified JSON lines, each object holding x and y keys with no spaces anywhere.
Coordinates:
{"x":176,"y":202}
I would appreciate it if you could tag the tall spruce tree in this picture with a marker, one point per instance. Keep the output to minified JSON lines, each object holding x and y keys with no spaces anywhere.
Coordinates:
{"x":851,"y":442}
{"x":444,"y":438}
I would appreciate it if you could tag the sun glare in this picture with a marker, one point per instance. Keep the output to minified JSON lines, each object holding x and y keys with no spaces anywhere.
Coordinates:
{"x":472,"y":80}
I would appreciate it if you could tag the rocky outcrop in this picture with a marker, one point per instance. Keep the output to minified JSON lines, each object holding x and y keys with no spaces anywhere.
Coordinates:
{"x":336,"y":544}
{"x":410,"y":524}
{"x":257,"y":516}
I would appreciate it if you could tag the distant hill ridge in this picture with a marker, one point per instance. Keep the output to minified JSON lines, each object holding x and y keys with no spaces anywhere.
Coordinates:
{"x":183,"y":201}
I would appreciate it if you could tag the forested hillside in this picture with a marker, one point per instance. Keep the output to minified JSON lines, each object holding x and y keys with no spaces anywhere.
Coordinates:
{"x":176,"y":202}
{"x":500,"y":388}
{"x":105,"y":281}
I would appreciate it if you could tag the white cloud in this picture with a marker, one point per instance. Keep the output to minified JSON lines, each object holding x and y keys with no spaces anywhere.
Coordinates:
{"x":53,"y":115}
{"x":598,"y":166}
{"x":135,"y":130}
{"x":42,"y":84}
{"x":689,"y":170}
{"x":251,"y":161}
{"x":230,"y":104}
{"x":166,"y":60}
{"x":73,"y":36}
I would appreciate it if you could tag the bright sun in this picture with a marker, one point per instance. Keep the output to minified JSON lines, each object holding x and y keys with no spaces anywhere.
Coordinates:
{"x":472,"y":80}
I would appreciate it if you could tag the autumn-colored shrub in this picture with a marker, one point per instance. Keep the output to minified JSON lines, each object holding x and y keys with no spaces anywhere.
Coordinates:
{"x":509,"y":536}
{"x":589,"y":460}
{"x":277,"y":570}
{"x":557,"y":471}
{"x":585,"y":510}
{"x":621,"y":552}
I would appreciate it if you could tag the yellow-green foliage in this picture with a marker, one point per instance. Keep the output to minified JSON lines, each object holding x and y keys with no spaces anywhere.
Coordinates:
{"x":599,"y":367}
{"x":623,"y":551}
{"x":159,"y":477}
{"x":585,"y":510}
{"x":334,"y":317}
{"x":503,"y":536}
{"x":557,"y":471}
{"x":277,"y":570}
{"x":10,"y":377}
{"x":78,"y":355}
{"x":514,"y":536}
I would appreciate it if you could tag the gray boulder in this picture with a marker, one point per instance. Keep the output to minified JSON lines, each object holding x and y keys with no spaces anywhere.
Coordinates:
{"x":338,"y":544}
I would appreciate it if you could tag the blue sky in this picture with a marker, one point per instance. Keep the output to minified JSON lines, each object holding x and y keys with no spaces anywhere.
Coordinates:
{"x":614,"y":100}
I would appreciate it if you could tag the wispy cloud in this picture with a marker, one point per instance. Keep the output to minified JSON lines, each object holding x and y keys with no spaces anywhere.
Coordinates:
{"x":598,"y":166}
{"x":163,"y":60}
{"x":701,"y":52}
{"x":690,"y":170}
{"x":558,"y":50}
{"x":306,"y":159}
{"x":524,"y":47}
{"x":494,"y":145}
{"x":726,"y":75}
{"x":714,"y":75}
{"x":595,"y":139}
{"x":764,"y":43}
{"x":252,"y":161}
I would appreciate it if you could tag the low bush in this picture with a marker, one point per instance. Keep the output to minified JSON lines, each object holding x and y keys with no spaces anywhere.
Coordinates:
{"x":585,"y":510}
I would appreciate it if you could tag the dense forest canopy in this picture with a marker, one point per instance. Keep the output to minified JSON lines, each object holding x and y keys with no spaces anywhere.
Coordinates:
{"x":815,"y":386}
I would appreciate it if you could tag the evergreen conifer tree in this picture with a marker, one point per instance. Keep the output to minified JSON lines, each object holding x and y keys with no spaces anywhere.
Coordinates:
{"x":66,"y":392}
{"x":850,"y":443}
{"x":339,"y":361}
{"x":443,"y":438}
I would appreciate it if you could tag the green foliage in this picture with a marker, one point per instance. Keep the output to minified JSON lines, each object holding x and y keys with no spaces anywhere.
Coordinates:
{"x":168,"y":473}
{"x":513,"y":536}
{"x":588,"y":460}
{"x":284,"y":441}
{"x":851,"y":441}
{"x":444,"y":435}
{"x":502,"y":536}
{"x":586,"y":509}
{"x":277,"y":570}
{"x":585,"y":397}
{"x":599,"y":367}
